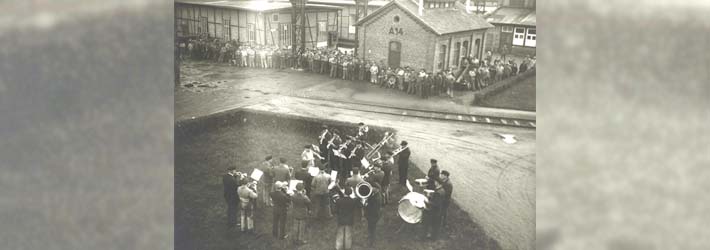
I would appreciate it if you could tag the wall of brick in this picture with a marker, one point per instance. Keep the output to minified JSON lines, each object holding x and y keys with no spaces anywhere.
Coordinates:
{"x":417,"y":41}
{"x":451,"y":41}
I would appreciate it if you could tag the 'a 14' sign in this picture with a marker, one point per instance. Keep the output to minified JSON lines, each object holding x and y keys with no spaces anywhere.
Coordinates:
{"x":396,"y":31}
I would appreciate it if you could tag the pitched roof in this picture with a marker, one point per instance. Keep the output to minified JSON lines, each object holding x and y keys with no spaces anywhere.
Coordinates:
{"x":252,"y":5}
{"x":512,"y":15}
{"x":440,"y":21}
{"x":373,"y":3}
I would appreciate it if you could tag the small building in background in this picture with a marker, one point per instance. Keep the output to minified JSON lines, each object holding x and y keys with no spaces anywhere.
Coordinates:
{"x":515,"y":29}
{"x":260,"y":22}
{"x":424,"y":34}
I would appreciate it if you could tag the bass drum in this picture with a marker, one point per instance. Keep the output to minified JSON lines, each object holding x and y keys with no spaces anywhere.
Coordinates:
{"x":411,"y":207}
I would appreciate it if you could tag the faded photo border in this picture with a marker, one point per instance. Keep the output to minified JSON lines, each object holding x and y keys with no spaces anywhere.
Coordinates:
{"x":86,"y":124}
{"x":623,"y":110}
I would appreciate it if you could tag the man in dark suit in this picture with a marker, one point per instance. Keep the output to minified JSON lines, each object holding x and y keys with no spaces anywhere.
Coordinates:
{"x":281,"y":202}
{"x":446,"y":201}
{"x":230,"y":195}
{"x":345,"y":208}
{"x":373,"y":213}
{"x":403,"y":163}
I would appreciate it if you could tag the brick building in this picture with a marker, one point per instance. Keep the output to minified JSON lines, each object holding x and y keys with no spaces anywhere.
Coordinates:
{"x":254,"y":22}
{"x":429,"y":34}
{"x":515,"y":29}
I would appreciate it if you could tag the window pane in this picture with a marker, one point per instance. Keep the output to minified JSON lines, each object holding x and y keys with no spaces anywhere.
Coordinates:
{"x":531,"y":31}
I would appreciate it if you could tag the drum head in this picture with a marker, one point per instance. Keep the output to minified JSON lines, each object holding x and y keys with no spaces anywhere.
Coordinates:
{"x":410,"y":207}
{"x":409,"y":212}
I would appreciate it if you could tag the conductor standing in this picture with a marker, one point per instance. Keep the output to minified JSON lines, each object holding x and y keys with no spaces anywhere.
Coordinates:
{"x":403,"y":163}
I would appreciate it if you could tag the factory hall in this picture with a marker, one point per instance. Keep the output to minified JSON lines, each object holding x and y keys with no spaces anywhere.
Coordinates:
{"x":423,"y":34}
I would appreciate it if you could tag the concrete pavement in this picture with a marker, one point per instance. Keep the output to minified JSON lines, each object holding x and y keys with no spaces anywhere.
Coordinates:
{"x":232,"y":86}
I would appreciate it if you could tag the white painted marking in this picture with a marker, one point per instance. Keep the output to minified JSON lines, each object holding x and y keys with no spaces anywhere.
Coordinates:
{"x":516,"y":122}
{"x":404,"y":113}
{"x":460,"y":118}
{"x":503,"y":121}
{"x":473,"y":118}
{"x":532,"y":124}
{"x":488,"y":120}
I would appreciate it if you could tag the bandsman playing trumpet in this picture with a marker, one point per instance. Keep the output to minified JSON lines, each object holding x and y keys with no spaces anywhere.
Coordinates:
{"x":247,"y":195}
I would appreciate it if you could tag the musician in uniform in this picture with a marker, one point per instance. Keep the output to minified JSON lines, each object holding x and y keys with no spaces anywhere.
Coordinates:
{"x":321,"y":197}
{"x":376,"y":176}
{"x":373,"y":213}
{"x":301,"y":210}
{"x":432,"y":212}
{"x":362,"y":130}
{"x":403,"y":163}
{"x":303,"y":175}
{"x":267,"y":180}
{"x":281,"y":203}
{"x":230,"y":195}
{"x":433,"y":174}
{"x":345,"y":206}
{"x":352,"y":182}
{"x":387,"y":166}
{"x":247,"y":195}
{"x":446,"y":201}
{"x":323,"y":142}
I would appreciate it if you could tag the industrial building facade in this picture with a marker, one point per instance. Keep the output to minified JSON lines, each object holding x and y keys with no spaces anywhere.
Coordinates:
{"x":254,"y":22}
{"x":426,"y":34}
{"x":515,"y":29}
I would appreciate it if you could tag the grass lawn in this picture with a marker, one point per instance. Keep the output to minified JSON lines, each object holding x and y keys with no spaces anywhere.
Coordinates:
{"x":520,"y":96}
{"x":205,"y":148}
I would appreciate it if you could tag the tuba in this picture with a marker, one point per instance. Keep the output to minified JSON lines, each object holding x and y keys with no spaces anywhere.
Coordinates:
{"x":363,"y":191}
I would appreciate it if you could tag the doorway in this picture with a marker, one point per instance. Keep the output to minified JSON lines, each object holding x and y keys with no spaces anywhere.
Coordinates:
{"x":395,"y":53}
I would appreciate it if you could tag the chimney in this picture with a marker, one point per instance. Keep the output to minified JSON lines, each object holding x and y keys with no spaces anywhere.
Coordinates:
{"x":421,"y":7}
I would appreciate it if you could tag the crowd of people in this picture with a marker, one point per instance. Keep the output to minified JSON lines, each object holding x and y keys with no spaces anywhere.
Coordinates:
{"x":473,"y":74}
{"x":327,"y":179}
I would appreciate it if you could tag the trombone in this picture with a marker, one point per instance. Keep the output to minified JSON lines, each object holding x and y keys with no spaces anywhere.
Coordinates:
{"x":379,"y":145}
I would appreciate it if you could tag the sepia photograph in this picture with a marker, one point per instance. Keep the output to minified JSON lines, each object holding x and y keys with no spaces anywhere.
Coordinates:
{"x":337,"y":124}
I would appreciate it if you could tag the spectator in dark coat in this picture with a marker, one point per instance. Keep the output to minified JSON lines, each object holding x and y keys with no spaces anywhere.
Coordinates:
{"x":301,"y":210}
{"x":281,"y":202}
{"x":230,"y":195}
{"x":345,"y":208}
{"x":373,"y":213}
